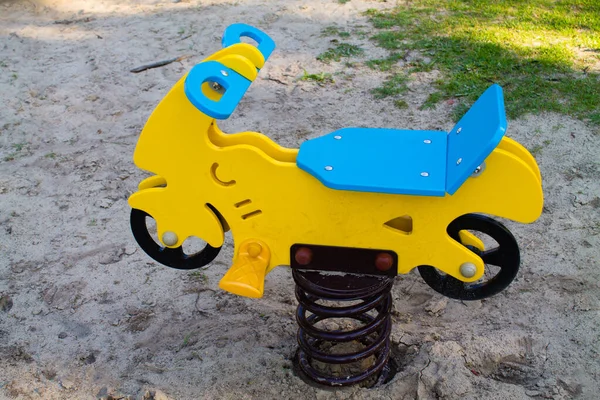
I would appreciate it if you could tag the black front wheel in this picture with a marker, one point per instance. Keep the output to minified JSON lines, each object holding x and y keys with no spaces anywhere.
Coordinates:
{"x":501,"y":260}
{"x":174,"y":258}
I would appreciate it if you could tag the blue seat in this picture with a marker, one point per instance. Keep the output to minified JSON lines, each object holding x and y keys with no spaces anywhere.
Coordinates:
{"x":423,"y":163}
{"x":378,"y":160}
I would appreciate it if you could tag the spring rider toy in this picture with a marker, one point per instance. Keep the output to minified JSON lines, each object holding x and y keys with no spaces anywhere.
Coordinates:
{"x":347,"y":211}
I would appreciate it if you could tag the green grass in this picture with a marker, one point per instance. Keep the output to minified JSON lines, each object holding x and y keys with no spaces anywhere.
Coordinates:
{"x":536,"y":150}
{"x":322,"y":79}
{"x":431,"y":101}
{"x":544,"y":53}
{"x":334,"y":31}
{"x":19,"y":146}
{"x":401,"y":104}
{"x":385,"y":64}
{"x":339,"y":51}
{"x":393,"y":86}
{"x":199,"y":276}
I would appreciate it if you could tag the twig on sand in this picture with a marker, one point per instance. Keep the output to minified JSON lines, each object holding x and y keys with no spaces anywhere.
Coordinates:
{"x":73,"y":21}
{"x":276,"y":80}
{"x":183,"y":38}
{"x":158,"y":64}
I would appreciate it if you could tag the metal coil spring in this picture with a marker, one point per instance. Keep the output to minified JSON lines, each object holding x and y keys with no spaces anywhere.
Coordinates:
{"x":372,"y":294}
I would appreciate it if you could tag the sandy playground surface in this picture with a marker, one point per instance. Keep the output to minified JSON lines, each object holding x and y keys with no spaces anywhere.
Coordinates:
{"x":85,"y":314}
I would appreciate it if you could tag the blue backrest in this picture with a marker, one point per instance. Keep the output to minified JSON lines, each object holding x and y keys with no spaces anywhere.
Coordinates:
{"x":474,"y":137}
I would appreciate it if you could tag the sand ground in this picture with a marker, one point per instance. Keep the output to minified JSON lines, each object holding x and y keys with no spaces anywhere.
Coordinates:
{"x":86,"y":314}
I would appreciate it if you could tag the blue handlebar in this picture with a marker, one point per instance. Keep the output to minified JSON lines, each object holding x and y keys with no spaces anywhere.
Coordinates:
{"x":233,"y":34}
{"x":235,"y":86}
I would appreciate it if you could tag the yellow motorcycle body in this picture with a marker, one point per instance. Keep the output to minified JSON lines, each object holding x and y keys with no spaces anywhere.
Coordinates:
{"x":205,"y":182}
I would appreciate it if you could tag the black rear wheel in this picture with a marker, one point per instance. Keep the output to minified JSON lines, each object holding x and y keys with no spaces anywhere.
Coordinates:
{"x":501,"y":260}
{"x":174,"y":258}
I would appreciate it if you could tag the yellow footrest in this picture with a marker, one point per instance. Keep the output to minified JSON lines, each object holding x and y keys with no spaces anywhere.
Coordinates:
{"x":246,"y":277}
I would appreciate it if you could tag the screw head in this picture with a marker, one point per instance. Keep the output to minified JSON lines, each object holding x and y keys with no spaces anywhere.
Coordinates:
{"x":427,"y":141}
{"x":337,"y":137}
{"x":458,"y":161}
{"x":328,"y":168}
{"x":468,"y":270}
{"x":303,"y":256}
{"x":254,"y":250}
{"x":424,"y":173}
{"x":384,"y":261}
{"x":224,"y":73}
{"x":170,"y":238}
{"x":478,"y":170}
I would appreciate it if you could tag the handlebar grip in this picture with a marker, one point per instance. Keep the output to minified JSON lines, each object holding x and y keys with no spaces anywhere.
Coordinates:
{"x":235,"y":86}
{"x":234,"y":33}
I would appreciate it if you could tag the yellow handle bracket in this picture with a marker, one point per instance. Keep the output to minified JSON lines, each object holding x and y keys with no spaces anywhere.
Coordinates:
{"x":246,"y":277}
{"x":468,"y":239}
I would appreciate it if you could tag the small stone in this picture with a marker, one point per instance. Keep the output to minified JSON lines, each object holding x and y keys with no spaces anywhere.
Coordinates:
{"x":37,"y":312}
{"x":49,"y":374}
{"x":62,"y":335}
{"x":102,"y":392}
{"x":322,"y":394}
{"x":159,"y":395}
{"x":112,"y":256}
{"x":129,"y":250}
{"x":104,"y":203}
{"x":6,"y":303}
{"x":473,"y":305}
{"x":331,"y":326}
{"x":67,"y":384}
{"x":436,"y":307}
